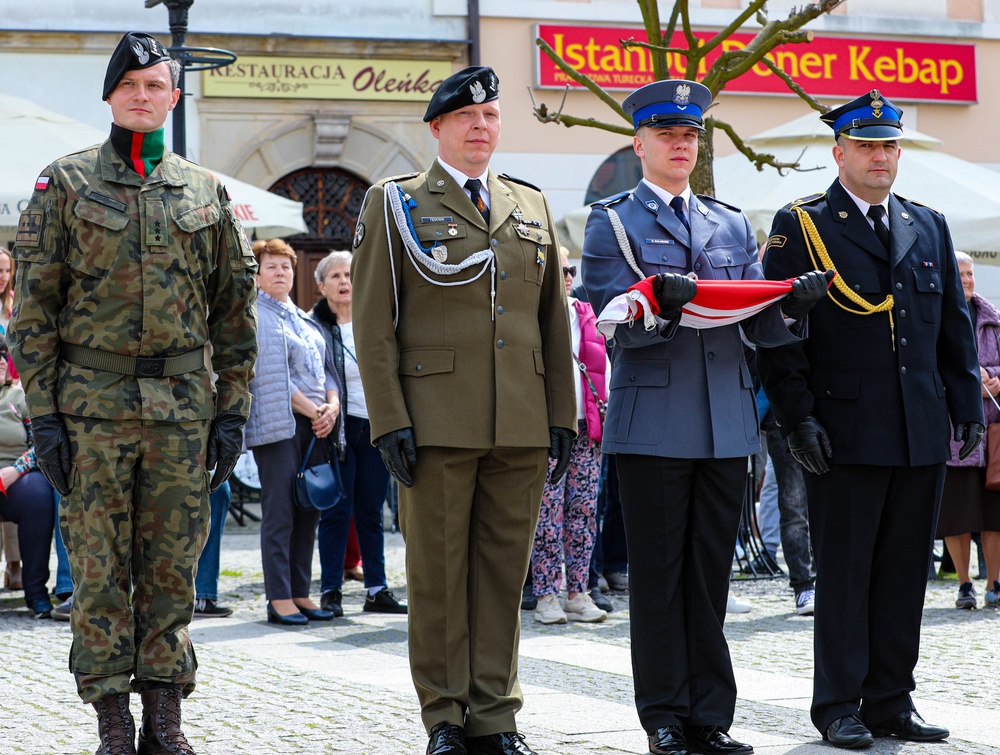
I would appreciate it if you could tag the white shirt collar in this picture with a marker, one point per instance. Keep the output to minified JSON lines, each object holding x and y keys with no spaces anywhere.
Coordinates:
{"x":864,"y":206}
{"x":666,"y":196}
{"x":461,"y":178}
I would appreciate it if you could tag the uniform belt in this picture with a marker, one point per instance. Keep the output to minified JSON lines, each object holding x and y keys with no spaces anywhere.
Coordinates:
{"x":146,"y":367}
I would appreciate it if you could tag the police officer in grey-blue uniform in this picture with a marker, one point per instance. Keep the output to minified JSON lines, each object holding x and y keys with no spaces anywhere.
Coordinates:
{"x":681,"y":418}
{"x":865,"y":404}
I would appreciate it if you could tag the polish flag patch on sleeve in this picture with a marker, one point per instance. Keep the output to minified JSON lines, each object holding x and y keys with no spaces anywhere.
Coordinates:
{"x":41,"y":183}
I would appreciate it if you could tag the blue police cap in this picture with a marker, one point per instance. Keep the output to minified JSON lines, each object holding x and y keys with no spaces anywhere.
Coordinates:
{"x":470,"y":86}
{"x":676,"y":102}
{"x":135,"y":51}
{"x":870,"y":117}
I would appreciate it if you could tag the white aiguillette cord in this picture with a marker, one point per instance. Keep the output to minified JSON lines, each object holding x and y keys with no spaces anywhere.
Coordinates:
{"x":394,"y":206}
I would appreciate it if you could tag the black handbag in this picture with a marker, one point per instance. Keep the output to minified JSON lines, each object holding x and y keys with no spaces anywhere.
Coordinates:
{"x":319,"y":487}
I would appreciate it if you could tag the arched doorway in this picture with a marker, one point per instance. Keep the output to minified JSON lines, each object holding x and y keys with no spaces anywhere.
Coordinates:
{"x":332,"y":200}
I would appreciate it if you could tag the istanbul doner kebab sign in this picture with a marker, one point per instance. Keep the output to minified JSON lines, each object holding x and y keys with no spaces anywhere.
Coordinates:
{"x":826,"y":67}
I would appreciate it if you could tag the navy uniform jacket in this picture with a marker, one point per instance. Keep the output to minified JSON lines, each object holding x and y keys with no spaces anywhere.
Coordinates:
{"x":881,"y":402}
{"x":689,"y":396}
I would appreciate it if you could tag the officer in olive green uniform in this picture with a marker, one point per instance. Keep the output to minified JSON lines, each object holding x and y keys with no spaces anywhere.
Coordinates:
{"x":464,"y":349}
{"x":130,"y":263}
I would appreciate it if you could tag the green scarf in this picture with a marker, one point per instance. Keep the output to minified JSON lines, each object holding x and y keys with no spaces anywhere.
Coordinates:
{"x":142,"y":152}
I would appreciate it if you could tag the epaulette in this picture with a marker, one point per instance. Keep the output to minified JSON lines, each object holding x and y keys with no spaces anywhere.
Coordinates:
{"x":808,"y":200}
{"x":918,"y":204}
{"x":518,"y":181}
{"x":400,"y":177}
{"x":614,"y":199}
{"x":716,"y":200}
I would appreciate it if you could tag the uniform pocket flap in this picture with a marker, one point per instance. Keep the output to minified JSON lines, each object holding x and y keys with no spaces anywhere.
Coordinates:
{"x":191,"y":219}
{"x":438,"y":232}
{"x":420,"y":362}
{"x":534,"y":234}
{"x":539,"y":361}
{"x":641,"y":375}
{"x":99,"y":214}
{"x":927,"y":280}
{"x":862,"y":281}
{"x":670,"y":255}
{"x":839,"y":385}
{"x":727,"y":257}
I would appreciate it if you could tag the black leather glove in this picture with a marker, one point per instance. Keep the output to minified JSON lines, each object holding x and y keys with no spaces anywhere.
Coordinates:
{"x":673,"y":291}
{"x":806,"y":291}
{"x":972,"y":434}
{"x":225,"y":444}
{"x":560,"y":445}
{"x":399,"y":454}
{"x":52,"y":450}
{"x":810,"y":446}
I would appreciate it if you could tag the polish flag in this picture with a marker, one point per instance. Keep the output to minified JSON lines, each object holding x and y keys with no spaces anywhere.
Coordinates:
{"x":717,"y":303}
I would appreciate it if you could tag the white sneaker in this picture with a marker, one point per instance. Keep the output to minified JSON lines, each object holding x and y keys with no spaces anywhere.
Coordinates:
{"x":735,"y":605}
{"x":583,"y":608}
{"x":549,"y":611}
{"x":805,"y":603}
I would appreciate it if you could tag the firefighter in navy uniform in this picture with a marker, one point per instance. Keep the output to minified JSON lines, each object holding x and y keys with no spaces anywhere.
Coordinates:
{"x":865,"y":403}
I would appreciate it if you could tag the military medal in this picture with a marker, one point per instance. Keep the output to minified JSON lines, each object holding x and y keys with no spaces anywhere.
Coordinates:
{"x":440,"y":253}
{"x":452,"y":229}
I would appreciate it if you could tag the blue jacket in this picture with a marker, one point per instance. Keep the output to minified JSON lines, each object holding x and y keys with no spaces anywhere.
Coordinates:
{"x":687,"y":393}
{"x":271,"y":417}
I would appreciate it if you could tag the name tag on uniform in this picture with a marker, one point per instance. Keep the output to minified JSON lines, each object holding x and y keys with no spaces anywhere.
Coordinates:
{"x":437,"y":219}
{"x":666,"y":242}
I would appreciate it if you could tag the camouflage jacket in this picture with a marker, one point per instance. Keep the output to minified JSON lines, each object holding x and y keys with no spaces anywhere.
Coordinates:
{"x":149,"y":268}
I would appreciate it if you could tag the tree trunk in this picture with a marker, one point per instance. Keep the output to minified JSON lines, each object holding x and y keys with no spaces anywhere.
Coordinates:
{"x":702,"y":178}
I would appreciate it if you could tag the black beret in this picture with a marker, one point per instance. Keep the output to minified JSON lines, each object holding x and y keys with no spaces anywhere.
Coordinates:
{"x":135,"y":51}
{"x":470,"y":86}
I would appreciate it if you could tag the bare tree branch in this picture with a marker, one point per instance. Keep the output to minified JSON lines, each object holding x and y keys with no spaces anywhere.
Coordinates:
{"x":759,"y":159}
{"x":581,"y":78}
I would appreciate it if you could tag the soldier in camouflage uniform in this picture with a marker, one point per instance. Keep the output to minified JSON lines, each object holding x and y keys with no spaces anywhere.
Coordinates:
{"x":131,"y":262}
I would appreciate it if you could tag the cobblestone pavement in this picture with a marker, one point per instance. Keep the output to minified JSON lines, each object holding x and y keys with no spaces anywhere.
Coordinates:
{"x":344,"y":687}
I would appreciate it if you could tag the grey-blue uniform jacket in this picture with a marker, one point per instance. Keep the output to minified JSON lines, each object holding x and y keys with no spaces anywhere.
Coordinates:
{"x":884,"y":398}
{"x":689,"y":395}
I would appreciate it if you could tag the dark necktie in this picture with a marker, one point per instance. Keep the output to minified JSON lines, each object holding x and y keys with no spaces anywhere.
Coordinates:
{"x":677,"y":204}
{"x":474,"y":185}
{"x":876,"y":212}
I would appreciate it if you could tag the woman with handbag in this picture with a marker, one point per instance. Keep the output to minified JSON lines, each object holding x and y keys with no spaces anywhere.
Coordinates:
{"x":364,"y":475}
{"x":567,"y":522}
{"x":967,"y":506}
{"x":296,"y":399}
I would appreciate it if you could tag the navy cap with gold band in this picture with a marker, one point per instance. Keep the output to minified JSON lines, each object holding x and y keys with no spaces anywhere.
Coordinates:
{"x":870,"y":117}
{"x":134,"y":52}
{"x":675,"y":102}
{"x":470,"y":86}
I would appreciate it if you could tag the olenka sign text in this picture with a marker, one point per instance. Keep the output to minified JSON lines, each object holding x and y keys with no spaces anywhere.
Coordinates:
{"x":327,"y":78}
{"x":825,"y":67}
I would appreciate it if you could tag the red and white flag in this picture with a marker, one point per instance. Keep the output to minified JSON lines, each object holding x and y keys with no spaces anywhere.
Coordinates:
{"x":717,"y":303}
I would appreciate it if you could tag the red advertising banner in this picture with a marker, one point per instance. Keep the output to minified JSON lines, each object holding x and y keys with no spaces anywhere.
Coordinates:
{"x":839,"y":67}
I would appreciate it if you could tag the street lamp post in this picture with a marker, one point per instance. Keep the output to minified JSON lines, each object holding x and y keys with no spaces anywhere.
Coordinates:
{"x":190,"y":58}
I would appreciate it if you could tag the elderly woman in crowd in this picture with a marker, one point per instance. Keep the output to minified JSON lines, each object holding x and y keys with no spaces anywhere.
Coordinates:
{"x":967,"y":506}
{"x":26,"y":499}
{"x":296,"y":395}
{"x":364,"y":475}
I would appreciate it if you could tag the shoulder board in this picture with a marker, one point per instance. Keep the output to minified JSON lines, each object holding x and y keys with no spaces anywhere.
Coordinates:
{"x":615,"y":199}
{"x":400,"y":177}
{"x":715,"y":200}
{"x":808,"y":200}
{"x":918,"y":204}
{"x":518,"y":181}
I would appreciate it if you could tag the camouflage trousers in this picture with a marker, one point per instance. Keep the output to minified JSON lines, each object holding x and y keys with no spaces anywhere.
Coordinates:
{"x":134,"y":524}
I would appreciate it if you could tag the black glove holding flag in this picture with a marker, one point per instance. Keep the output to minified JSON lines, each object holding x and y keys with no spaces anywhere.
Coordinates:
{"x":673,"y":291}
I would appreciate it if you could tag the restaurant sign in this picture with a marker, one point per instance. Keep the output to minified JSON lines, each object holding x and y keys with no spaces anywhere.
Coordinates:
{"x":839,"y":67}
{"x":327,"y":78}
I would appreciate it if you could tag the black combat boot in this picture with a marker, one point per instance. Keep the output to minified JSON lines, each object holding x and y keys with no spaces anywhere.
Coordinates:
{"x":161,"y":723}
{"x":115,"y":725}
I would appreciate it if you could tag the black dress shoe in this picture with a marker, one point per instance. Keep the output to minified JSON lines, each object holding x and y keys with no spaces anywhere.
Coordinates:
{"x":848,"y":732}
{"x":331,"y":600}
{"x":446,"y":739}
{"x":714,"y":739}
{"x":505,"y":743}
{"x":669,"y":740}
{"x":910,"y":726}
{"x":316,"y":614}
{"x":383,"y":602}
{"x":291,"y":620}
{"x":600,"y":601}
